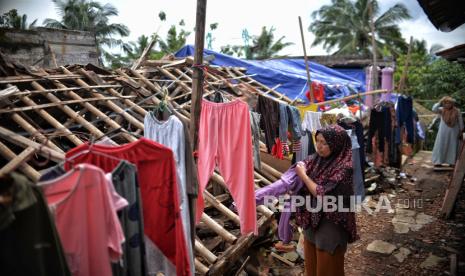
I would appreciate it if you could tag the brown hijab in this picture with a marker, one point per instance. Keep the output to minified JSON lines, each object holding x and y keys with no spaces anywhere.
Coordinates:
{"x":449,"y":115}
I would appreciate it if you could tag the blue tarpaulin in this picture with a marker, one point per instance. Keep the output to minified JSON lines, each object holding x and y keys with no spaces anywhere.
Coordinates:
{"x":289,"y":73}
{"x":355,"y":73}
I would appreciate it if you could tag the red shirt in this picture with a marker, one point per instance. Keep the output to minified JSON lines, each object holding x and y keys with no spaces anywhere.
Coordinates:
{"x":157,"y":180}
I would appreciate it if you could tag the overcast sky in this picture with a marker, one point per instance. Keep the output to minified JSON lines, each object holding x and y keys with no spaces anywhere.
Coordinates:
{"x":234,"y":16}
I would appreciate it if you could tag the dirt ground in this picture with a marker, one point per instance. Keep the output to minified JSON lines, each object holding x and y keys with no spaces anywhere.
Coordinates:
{"x":420,"y":242}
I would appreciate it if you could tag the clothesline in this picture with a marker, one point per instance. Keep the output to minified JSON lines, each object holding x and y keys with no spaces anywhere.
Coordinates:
{"x":352,"y":97}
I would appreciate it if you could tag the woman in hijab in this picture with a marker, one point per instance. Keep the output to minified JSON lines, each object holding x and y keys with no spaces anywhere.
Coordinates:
{"x":326,"y":173}
{"x":449,"y":134}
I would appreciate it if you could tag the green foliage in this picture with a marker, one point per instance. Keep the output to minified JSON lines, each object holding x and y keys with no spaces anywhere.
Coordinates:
{"x":88,"y":15}
{"x":175,"y":39}
{"x":263,"y":46}
{"x":344,"y":26}
{"x":431,"y":79}
{"x":12,"y":19}
{"x":162,"y":16}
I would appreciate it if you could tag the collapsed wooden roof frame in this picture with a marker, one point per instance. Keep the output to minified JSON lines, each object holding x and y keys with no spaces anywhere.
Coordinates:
{"x":44,"y":113}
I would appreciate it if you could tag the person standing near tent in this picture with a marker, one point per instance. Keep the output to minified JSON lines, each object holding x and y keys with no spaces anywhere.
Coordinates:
{"x":327,"y":173}
{"x":449,"y":134}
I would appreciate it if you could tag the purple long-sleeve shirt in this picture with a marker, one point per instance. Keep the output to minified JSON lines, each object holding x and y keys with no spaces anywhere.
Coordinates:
{"x":289,"y":183}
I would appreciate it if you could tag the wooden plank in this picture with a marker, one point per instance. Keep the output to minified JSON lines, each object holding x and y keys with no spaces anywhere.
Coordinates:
{"x":230,"y":256}
{"x":43,"y":106}
{"x":17,"y":161}
{"x":12,"y":90}
{"x":24,"y":142}
{"x":282,"y":259}
{"x":25,"y":168}
{"x":454,"y":185}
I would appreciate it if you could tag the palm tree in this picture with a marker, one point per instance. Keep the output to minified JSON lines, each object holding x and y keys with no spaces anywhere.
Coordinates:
{"x":14,"y":20}
{"x":87,"y":15}
{"x":344,"y":25}
{"x":263,"y":46}
{"x":175,"y":39}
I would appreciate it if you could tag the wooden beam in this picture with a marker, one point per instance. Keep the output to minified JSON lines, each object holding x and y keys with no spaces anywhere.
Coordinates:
{"x":200,"y":267}
{"x":204,"y":252}
{"x":42,"y":106}
{"x":17,"y":161}
{"x":307,"y":69}
{"x":25,"y":168}
{"x":454,"y":185}
{"x":231,"y":254}
{"x":217,"y":228}
{"x":197,"y":77}
{"x":29,"y":93}
{"x":220,"y":207}
{"x":51,"y":120}
{"x":71,"y":113}
{"x":144,"y":53}
{"x":110,"y":105}
{"x":34,"y":132}
{"x":24,"y":142}
{"x":94,"y":77}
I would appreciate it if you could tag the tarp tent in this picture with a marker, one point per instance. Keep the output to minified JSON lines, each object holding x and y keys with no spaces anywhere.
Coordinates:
{"x":289,"y":73}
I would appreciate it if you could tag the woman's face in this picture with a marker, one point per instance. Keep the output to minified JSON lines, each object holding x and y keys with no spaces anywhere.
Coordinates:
{"x":322,"y":148}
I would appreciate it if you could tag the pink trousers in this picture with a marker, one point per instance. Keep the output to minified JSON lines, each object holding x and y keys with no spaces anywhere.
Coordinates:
{"x":225,"y":139}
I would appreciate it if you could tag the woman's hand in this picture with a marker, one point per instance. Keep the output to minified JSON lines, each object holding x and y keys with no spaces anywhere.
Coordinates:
{"x":300,"y":170}
{"x":302,"y":173}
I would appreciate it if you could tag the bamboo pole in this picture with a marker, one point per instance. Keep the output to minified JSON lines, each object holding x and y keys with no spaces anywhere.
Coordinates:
{"x":228,"y":237}
{"x":307,"y":69}
{"x":200,"y":267}
{"x":110,"y":104}
{"x":204,"y":252}
{"x":220,"y":207}
{"x":17,"y":161}
{"x":24,"y":167}
{"x":42,"y":106}
{"x":115,"y":93}
{"x":70,"y":112}
{"x":51,"y":120}
{"x":24,"y":142}
{"x":198,"y":75}
{"x":33,"y":131}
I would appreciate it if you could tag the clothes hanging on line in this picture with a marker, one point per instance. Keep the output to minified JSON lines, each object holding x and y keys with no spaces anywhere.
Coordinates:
{"x":359,"y":183}
{"x":170,"y":133}
{"x":269,"y":121}
{"x":166,"y":248}
{"x":82,"y":198}
{"x":255,"y":124}
{"x":26,"y":226}
{"x":124,"y":179}
{"x":304,"y":108}
{"x":225,"y":140}
{"x":404,"y":113}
